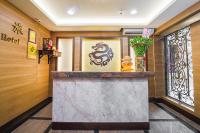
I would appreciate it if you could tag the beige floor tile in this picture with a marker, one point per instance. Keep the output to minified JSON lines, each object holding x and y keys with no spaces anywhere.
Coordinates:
{"x":33,"y":126}
{"x":156,"y":126}
{"x":169,"y":127}
{"x":157,"y":113}
{"x":45,"y":112}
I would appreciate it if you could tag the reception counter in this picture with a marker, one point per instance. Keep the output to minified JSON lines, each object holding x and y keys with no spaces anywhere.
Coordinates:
{"x":100,"y":100}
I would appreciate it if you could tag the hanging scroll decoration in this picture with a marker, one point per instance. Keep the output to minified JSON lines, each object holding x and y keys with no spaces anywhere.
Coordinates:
{"x":101,"y":55}
{"x":179,"y":66}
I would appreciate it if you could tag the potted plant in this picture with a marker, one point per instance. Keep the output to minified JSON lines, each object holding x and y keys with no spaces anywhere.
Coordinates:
{"x":140,"y":45}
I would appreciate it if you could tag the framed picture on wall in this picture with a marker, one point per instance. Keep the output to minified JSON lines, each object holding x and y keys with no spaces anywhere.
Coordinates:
{"x":31,"y":36}
{"x":46,"y":43}
{"x":32,"y":50}
{"x":101,"y":54}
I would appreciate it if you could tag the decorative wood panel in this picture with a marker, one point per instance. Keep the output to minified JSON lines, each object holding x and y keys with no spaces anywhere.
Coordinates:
{"x":151,"y":67}
{"x":159,"y":67}
{"x":125,"y":46}
{"x":23,"y":82}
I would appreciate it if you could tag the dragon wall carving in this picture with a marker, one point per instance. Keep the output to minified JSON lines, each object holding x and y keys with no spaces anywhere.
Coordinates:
{"x":101,"y":55}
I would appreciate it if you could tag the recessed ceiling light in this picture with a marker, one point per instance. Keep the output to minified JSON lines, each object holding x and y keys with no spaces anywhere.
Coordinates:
{"x":133,"y":12}
{"x":72,"y":10}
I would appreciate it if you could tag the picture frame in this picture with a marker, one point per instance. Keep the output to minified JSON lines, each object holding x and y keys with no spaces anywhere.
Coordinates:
{"x":31,"y":36}
{"x":46,"y":43}
{"x":89,"y":51}
{"x":32,"y":50}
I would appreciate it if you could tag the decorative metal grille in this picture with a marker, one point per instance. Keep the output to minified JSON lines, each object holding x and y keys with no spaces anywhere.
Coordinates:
{"x":179,"y":66}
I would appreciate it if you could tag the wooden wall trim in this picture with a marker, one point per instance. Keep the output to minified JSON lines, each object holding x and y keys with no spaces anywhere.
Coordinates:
{"x":122,"y":47}
{"x":125,"y":49}
{"x":180,"y":17}
{"x":195,"y":39}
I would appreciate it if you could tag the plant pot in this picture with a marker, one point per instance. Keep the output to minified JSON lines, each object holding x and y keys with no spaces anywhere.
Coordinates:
{"x":140,"y":63}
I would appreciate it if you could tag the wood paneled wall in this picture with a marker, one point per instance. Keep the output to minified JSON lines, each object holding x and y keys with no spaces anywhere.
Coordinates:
{"x":156,"y":64}
{"x":180,"y":17}
{"x":23,"y":82}
{"x":195,"y":36}
{"x":159,"y":67}
{"x":151,"y":67}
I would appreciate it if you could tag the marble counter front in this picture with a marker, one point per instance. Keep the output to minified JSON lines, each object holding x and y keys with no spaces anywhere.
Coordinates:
{"x":100,"y":100}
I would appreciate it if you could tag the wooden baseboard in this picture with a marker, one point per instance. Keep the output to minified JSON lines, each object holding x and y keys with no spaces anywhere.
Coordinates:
{"x":100,"y":126}
{"x":157,"y":100}
{"x":13,"y":124}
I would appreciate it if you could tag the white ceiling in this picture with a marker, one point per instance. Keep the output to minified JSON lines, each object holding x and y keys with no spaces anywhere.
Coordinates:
{"x":101,"y":15}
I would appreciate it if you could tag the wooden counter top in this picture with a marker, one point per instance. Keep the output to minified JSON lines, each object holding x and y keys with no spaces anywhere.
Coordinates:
{"x":63,"y":75}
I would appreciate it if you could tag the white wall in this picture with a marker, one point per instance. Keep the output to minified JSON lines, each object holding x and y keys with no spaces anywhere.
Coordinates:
{"x":65,"y":45}
{"x":132,"y":55}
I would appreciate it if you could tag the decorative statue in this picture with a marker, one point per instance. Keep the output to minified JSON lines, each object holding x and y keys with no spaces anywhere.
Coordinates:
{"x":126,"y":64}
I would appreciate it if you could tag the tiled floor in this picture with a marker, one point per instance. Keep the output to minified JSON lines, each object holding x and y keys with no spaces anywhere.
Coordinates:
{"x":162,"y":120}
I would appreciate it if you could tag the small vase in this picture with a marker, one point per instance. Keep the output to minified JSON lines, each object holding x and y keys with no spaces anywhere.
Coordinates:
{"x":140,"y":63}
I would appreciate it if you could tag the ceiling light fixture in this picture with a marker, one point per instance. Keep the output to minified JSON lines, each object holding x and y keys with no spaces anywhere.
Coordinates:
{"x":71,"y":11}
{"x":82,"y":21}
{"x":133,"y":12}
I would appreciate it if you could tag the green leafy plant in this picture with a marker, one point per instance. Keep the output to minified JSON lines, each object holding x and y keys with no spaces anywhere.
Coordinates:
{"x":140,"y":44}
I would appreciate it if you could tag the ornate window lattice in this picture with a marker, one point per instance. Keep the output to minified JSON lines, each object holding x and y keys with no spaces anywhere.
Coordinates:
{"x":179,"y":66}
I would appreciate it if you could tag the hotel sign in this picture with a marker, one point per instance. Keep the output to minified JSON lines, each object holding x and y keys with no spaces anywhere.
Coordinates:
{"x":17,"y":29}
{"x":5,"y":37}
